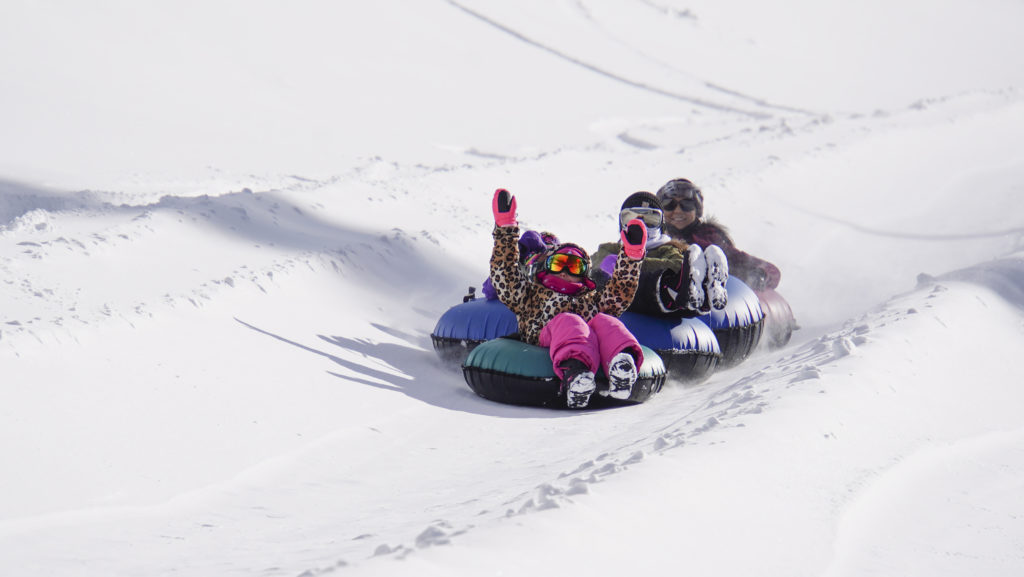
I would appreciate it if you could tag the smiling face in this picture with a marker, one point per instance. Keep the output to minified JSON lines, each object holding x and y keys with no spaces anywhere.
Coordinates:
{"x":682,"y":202}
{"x":679,"y":218}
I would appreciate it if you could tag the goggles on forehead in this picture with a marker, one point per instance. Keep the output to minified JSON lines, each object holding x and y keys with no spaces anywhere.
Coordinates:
{"x":652,"y":217}
{"x":685,"y":204}
{"x":570,"y":263}
{"x":678,"y":189}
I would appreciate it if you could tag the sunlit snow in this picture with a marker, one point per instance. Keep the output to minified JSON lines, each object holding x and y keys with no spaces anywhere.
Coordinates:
{"x":228,"y":228}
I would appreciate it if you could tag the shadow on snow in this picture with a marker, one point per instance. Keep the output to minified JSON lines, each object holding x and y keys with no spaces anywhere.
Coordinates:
{"x":420,"y":374}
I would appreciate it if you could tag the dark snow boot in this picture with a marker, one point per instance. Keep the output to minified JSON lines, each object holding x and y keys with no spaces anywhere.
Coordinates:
{"x":577,"y":382}
{"x":684,"y":291}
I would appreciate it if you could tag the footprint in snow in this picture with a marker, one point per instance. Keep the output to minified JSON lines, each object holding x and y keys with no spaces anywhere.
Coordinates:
{"x":807,"y":373}
{"x":842,"y":347}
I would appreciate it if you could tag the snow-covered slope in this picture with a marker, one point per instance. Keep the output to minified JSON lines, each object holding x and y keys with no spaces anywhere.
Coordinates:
{"x":227,"y":231}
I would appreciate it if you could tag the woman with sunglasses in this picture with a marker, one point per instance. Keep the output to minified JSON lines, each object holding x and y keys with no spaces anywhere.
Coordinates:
{"x":683,"y":204}
{"x":562,"y":309}
{"x":677,"y":279}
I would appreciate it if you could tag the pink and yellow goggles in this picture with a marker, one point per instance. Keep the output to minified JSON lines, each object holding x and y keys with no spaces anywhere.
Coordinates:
{"x":570,"y":263}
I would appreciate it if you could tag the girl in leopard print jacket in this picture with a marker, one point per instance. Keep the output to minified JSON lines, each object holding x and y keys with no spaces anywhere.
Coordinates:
{"x":564,"y":311}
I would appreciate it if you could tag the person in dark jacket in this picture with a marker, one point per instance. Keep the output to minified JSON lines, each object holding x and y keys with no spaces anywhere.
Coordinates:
{"x":683,"y":204}
{"x":677,"y":279}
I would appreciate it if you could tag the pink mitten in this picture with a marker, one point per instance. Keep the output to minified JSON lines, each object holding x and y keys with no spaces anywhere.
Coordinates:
{"x":504,"y":207}
{"x":634,"y":239}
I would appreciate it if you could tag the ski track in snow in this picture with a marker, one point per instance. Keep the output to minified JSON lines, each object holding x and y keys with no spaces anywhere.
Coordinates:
{"x":585,"y":13}
{"x":704,"y":103}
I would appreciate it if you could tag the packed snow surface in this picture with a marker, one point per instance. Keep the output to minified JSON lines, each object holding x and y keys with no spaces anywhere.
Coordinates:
{"x":228,"y":228}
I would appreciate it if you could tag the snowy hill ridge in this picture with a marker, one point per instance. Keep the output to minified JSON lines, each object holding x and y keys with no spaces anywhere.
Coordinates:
{"x":98,"y":240}
{"x":227,"y":232}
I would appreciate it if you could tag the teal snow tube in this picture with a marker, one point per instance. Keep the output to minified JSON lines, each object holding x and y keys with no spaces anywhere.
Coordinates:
{"x":509,"y":371}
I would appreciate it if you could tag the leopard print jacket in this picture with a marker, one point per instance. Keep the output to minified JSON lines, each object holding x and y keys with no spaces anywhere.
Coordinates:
{"x":535,"y":305}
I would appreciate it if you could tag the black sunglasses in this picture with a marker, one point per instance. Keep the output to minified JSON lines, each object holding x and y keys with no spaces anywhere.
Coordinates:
{"x":685,"y":204}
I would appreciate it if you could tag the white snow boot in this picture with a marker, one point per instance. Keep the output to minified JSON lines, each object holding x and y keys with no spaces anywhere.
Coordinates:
{"x":622,"y":375}
{"x":695,"y":268}
{"x":715,"y":279}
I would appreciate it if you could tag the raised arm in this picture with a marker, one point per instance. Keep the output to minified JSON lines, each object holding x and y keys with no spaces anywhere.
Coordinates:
{"x":618,"y":294}
{"x":506,"y":275}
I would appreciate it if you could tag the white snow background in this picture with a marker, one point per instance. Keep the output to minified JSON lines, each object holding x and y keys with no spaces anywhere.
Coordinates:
{"x":227,"y":229}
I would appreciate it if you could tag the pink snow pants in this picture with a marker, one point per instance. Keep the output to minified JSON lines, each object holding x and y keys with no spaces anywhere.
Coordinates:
{"x":595,"y":343}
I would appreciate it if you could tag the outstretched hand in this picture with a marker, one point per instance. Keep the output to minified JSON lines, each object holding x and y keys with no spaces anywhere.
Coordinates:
{"x":634,"y":239}
{"x":504,"y":207}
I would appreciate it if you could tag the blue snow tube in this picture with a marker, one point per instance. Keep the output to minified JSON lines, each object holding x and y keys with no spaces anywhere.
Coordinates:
{"x":507,"y":370}
{"x":739,"y":325}
{"x":687,"y":346}
{"x":464,"y":326}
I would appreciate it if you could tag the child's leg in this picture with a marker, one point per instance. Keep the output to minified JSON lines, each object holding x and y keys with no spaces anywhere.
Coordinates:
{"x":620,"y":355}
{"x":613,"y":338}
{"x":568,"y":337}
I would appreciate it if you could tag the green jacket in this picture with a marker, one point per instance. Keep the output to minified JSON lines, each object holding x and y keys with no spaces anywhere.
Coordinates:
{"x":666,"y":259}
{"x":666,"y":256}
